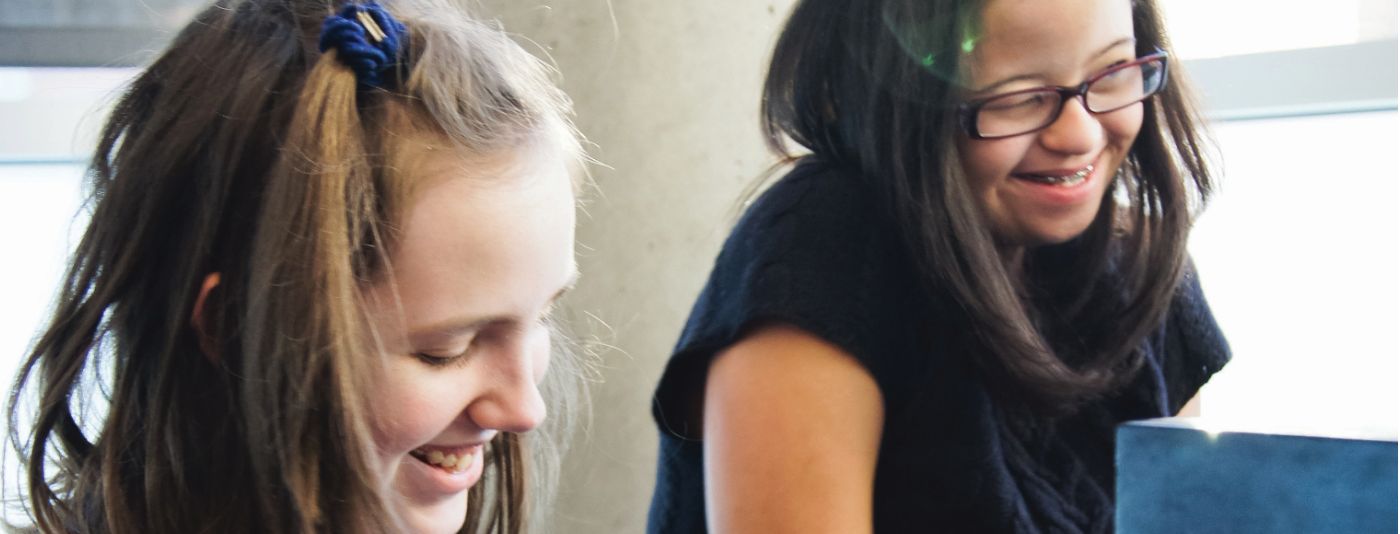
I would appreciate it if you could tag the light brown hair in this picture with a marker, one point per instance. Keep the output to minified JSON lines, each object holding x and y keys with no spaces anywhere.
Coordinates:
{"x":243,"y":150}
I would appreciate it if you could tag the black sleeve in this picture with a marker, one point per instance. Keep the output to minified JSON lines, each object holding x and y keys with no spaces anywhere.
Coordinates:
{"x":1194,"y":345}
{"x":811,"y":252}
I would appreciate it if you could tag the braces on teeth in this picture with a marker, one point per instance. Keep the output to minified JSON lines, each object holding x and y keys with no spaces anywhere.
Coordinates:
{"x":1071,"y":179}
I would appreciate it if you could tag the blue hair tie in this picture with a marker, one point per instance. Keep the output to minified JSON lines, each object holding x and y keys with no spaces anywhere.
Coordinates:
{"x":366,"y":38}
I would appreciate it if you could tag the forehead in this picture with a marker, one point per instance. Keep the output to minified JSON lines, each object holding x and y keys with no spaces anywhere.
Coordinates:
{"x":484,"y":236}
{"x":1045,"y":37}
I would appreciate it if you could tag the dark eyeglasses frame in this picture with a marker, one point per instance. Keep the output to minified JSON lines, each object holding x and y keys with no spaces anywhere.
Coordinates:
{"x":967,"y":111}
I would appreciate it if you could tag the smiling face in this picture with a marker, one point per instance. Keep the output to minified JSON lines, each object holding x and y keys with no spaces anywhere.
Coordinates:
{"x":486,"y":248}
{"x":1029,"y":187}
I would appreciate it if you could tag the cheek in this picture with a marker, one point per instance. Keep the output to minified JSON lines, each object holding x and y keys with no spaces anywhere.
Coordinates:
{"x":1123,"y":126}
{"x":987,"y":162}
{"x":406,"y":410}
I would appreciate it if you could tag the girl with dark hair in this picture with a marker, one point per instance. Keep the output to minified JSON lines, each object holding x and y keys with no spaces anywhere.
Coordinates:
{"x":314,"y":292}
{"x":934,"y":321}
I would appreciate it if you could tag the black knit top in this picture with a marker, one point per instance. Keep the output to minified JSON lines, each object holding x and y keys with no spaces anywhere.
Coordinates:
{"x":813,"y":252}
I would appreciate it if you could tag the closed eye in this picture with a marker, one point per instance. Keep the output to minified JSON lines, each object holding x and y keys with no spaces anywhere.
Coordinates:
{"x":1112,"y":70}
{"x":484,"y":332}
{"x":445,"y":357}
{"x":439,"y":361}
{"x":1011,"y":102}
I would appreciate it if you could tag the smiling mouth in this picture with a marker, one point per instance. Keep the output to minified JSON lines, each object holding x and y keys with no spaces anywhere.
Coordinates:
{"x":1069,"y":180}
{"x":452,"y":460}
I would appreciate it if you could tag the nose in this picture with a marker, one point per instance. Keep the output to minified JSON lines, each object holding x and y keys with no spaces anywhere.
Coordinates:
{"x":511,"y":401}
{"x":1075,"y":131}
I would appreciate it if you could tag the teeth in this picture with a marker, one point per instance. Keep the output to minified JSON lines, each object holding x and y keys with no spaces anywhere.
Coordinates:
{"x":1076,"y":177}
{"x":1070,"y":180}
{"x":448,"y":462}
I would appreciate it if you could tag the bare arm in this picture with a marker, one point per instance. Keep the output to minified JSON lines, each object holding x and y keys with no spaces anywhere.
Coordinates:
{"x":792,"y":430}
{"x":1192,"y":408}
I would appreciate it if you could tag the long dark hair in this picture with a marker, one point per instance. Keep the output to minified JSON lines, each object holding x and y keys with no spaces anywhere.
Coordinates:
{"x":869,"y":85}
{"x":243,"y":150}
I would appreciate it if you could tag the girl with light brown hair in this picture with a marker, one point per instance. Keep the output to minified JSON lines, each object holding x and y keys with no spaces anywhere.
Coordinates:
{"x":314,"y":294}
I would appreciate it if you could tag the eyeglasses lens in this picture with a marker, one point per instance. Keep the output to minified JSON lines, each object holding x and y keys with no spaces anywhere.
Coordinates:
{"x":1124,"y":87}
{"x":1017,"y":113}
{"x":1028,"y":111}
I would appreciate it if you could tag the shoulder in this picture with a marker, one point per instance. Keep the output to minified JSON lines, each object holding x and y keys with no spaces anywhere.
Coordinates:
{"x":814,"y":199}
{"x":783,"y":345}
{"x":813,"y":252}
{"x":778,"y":356}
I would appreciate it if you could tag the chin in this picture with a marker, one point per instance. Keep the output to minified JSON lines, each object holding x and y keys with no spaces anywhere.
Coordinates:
{"x":442,"y":518}
{"x":1045,"y":236}
{"x":1056,"y":232}
{"x":1059,"y":238}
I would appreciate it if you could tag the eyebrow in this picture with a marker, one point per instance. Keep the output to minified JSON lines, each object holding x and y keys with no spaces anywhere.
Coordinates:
{"x":1023,"y":77}
{"x":456,"y":327}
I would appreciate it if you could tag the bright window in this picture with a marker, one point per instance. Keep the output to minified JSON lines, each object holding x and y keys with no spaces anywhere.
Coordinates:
{"x":1213,"y":28}
{"x":1299,"y":256}
{"x":52,"y":118}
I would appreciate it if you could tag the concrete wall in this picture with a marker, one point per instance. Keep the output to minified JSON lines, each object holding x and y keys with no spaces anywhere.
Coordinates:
{"x":669,"y":93}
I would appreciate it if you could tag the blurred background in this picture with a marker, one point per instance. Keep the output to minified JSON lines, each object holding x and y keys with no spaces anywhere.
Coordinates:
{"x":1299,"y":253}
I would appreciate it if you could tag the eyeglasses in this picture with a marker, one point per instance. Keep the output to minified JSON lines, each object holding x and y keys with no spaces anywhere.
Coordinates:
{"x":1026,"y":111}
